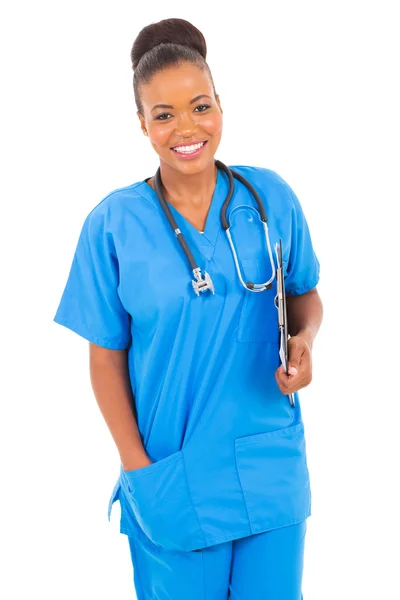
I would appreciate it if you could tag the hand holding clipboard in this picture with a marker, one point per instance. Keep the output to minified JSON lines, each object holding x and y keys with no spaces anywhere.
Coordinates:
{"x":280,"y":303}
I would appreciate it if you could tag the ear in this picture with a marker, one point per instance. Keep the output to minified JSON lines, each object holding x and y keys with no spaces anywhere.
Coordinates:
{"x":142,"y":123}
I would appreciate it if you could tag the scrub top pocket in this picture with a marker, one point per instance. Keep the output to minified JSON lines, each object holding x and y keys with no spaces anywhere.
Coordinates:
{"x":159,"y":497}
{"x":258,"y":320}
{"x":274,"y":476}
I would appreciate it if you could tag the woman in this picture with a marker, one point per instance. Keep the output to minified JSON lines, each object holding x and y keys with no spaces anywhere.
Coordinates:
{"x":213,"y":484}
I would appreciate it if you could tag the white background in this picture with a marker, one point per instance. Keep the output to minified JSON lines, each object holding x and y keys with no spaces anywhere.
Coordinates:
{"x":310,"y":90}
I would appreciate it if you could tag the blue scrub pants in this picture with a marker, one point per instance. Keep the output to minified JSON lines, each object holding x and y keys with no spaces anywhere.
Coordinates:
{"x":264,"y":566}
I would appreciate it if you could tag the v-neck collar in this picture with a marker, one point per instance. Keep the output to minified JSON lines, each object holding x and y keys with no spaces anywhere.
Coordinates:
{"x":204,"y":242}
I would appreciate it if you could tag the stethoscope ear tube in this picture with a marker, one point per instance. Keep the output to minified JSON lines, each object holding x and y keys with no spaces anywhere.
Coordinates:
{"x":199,"y":283}
{"x":230,"y":173}
{"x":172,"y":222}
{"x":234,"y":174}
{"x":252,"y":287}
{"x":202,"y":282}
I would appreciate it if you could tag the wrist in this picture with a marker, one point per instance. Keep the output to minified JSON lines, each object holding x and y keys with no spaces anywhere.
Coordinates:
{"x":307,"y":336}
{"x":130,"y":463}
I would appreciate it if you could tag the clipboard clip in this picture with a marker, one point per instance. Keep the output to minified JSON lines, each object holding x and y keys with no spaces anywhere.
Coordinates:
{"x":280,"y":304}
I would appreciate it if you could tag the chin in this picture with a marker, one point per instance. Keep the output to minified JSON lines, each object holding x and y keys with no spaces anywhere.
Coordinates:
{"x":194,"y":166}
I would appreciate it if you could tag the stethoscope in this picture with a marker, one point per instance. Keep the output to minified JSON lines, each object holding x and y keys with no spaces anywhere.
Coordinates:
{"x":202,"y":282}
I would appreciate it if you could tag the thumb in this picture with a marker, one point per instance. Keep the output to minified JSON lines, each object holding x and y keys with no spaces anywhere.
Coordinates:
{"x":294,"y":360}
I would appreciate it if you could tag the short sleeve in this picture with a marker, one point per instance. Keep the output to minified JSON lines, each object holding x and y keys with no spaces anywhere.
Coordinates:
{"x":90,"y":305}
{"x":303,"y":268}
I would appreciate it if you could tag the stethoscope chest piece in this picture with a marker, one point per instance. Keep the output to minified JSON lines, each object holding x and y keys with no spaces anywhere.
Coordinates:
{"x":201,"y":284}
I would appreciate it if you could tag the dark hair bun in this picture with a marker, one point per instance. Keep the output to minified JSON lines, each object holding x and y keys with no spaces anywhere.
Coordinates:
{"x":175,"y":31}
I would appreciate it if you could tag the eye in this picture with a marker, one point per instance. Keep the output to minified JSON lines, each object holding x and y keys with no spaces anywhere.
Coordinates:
{"x":203,"y":106}
{"x":162,"y":116}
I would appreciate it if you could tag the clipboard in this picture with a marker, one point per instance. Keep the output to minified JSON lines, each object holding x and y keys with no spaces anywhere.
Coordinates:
{"x":280,"y":303}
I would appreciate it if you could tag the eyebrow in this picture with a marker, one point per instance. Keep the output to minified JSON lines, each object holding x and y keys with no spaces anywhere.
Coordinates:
{"x":191,"y":102}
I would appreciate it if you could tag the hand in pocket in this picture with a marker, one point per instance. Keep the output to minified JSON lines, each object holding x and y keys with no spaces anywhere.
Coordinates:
{"x":136,"y":464}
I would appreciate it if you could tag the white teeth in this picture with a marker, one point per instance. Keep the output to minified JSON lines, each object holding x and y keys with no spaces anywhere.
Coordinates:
{"x":188,"y":149}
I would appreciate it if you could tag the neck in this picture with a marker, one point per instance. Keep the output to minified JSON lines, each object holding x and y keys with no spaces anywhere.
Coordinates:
{"x":188,"y":190}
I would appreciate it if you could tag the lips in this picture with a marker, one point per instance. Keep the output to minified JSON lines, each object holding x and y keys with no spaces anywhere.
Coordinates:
{"x":189,"y":151}
{"x":189,"y":144}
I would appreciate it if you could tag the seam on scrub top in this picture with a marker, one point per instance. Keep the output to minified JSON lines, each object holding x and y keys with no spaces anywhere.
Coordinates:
{"x":295,"y":522}
{"x":306,"y":287}
{"x":153,"y":466}
{"x":155,"y":206}
{"x":299,"y":428}
{"x":77,"y":328}
{"x":241,"y":534}
{"x":159,"y":211}
{"x":241,"y":487}
{"x":274,"y":433}
{"x":191,"y":499}
{"x":216,"y":240}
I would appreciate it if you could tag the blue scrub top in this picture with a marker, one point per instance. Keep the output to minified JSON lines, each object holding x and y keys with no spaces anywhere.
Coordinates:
{"x":228,"y":449}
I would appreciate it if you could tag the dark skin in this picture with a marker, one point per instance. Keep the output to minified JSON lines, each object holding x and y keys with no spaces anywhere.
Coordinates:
{"x":196,"y":115}
{"x":305,"y":313}
{"x":193,"y":114}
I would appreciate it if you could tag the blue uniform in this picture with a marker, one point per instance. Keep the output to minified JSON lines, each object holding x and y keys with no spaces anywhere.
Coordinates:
{"x":228,"y":449}
{"x":265,"y":566}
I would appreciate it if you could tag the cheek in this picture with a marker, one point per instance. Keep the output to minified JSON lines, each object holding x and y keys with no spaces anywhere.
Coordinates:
{"x":212,"y":124}
{"x":159,"y":136}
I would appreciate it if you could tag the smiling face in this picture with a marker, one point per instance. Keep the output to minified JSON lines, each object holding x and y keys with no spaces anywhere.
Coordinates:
{"x":182,"y":117}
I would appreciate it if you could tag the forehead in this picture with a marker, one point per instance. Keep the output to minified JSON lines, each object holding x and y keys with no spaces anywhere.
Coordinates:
{"x":175,"y":85}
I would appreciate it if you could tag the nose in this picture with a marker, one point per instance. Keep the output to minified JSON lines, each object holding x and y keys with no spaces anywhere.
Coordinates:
{"x":186,"y":126}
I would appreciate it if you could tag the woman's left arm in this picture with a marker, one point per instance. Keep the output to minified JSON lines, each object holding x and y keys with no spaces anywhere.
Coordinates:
{"x":304,"y":315}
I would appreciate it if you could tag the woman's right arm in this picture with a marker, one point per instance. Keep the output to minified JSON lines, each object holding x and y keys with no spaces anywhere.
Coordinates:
{"x":112,"y":389}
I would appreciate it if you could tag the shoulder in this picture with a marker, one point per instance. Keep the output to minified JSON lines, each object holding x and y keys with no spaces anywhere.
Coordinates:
{"x":112,"y":207}
{"x":267,"y":181}
{"x":115,"y":198}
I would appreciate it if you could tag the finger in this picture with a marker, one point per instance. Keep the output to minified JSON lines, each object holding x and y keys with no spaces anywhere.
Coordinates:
{"x":284,"y":381}
{"x":291,"y":371}
{"x":286,"y":389}
{"x":282,"y":376}
{"x":290,"y":386}
{"x":296,"y":353}
{"x":292,"y":383}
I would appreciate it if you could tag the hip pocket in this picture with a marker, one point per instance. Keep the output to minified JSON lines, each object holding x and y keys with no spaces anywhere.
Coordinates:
{"x":273,"y":473}
{"x":159,"y":497}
